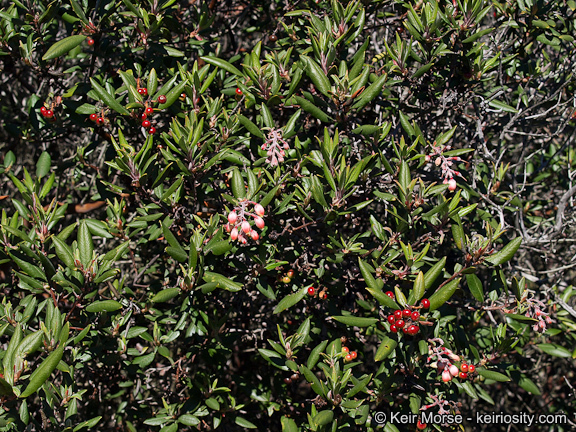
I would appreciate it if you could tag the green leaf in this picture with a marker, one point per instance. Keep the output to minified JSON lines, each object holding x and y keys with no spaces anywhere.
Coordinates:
{"x":317,"y":75}
{"x":43,"y":372}
{"x":238,"y":185}
{"x":489,"y":374}
{"x":104,"y":306}
{"x":63,"y":46}
{"x":383,"y":298}
{"x":371,"y":92}
{"x":43,"y":165}
{"x":107,"y":98}
{"x":529,"y":385}
{"x":315,"y":354}
{"x":222,"y":281}
{"x":29,"y":344}
{"x":432,"y":274}
{"x":63,"y":251}
{"x":475,"y":286}
{"x":85,"y":244}
{"x":350,"y":320}
{"x":506,"y":253}
{"x":443,"y":294}
{"x":387,"y":346}
{"x":310,"y":108}
{"x":290,"y":300}
{"x":323,"y":418}
{"x":173,"y":95}
{"x":165,"y":295}
{"x":418,"y":290}
{"x":188,"y":420}
{"x":88,"y":423}
{"x":222,"y":64}
{"x":288,"y":425}
{"x":501,"y":105}
{"x":367,"y":274}
{"x":242,"y":422}
{"x":554,"y":350}
{"x":250,"y":126}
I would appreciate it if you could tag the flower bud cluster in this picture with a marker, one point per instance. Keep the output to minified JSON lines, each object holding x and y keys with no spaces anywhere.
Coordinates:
{"x":536,"y":310}
{"x":238,"y":224}
{"x":445,"y":163}
{"x":275,"y":146}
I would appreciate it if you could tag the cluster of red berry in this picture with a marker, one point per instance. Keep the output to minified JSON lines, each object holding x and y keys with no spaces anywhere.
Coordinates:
{"x":406,"y":319}
{"x":349,"y":355}
{"x":322,"y":294}
{"x":239,"y":227}
{"x":46,"y":113}
{"x":148,"y":111}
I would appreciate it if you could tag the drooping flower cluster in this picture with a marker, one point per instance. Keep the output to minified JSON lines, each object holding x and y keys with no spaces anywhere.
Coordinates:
{"x":445,"y":163}
{"x":275,"y":146}
{"x":444,"y":360}
{"x":536,"y":310}
{"x":238,"y":224}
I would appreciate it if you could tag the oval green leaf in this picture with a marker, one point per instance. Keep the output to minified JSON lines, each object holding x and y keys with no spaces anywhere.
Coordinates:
{"x":350,"y":320}
{"x":107,"y":98}
{"x":43,"y":372}
{"x":386,"y":348}
{"x":104,"y":306}
{"x":443,"y":294}
{"x":63,"y":46}
{"x":165,"y":295}
{"x":506,"y":253}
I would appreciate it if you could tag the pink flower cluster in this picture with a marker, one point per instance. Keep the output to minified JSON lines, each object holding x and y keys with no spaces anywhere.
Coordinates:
{"x":275,"y":146}
{"x":238,"y":225}
{"x":445,"y":163}
{"x":535,"y":310}
{"x":442,"y":359}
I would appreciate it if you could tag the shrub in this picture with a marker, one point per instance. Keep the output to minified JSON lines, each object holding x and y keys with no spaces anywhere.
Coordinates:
{"x":299,"y":216}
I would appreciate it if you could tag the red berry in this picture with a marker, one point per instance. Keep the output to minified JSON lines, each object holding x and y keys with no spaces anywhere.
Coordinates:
{"x":348,"y":357}
{"x":464,"y":367}
{"x":43,"y":110}
{"x":406,"y":313}
{"x":391,"y":319}
{"x":471,"y":368}
{"x":143,"y":116}
{"x":273,"y":38}
{"x":390,"y":294}
{"x":311,"y":291}
{"x":398,"y":314}
{"x":345,"y":350}
{"x":290,"y":272}
{"x":412,"y":330}
{"x":353,"y":355}
{"x":149,"y":110}
{"x":421,"y":425}
{"x":425,"y":303}
{"x":141,"y":91}
{"x":238,"y":92}
{"x":94,"y":117}
{"x":162,"y":99}
{"x":393,"y":328}
{"x":152,"y":130}
{"x":145,"y":92}
{"x":415,"y":316}
{"x":287,"y":380}
{"x":90,"y":41}
{"x":400,"y":323}
{"x":48,"y":113}
{"x":285,"y":279}
{"x":146,"y":124}
{"x":463,"y":375}
{"x":100,"y":121}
